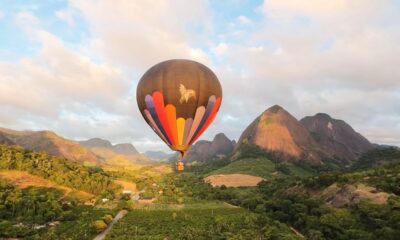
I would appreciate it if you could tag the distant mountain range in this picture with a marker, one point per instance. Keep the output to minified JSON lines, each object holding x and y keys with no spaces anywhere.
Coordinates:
{"x":49,"y":142}
{"x":312,"y":139}
{"x":94,"y":151}
{"x":158,"y":155}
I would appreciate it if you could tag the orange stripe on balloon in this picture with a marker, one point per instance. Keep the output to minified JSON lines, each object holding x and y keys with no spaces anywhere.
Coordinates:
{"x":170,"y":110}
{"x":154,"y":125}
{"x":209,"y":120}
{"x":159,"y":105}
{"x":197,"y":119}
{"x":180,"y":127}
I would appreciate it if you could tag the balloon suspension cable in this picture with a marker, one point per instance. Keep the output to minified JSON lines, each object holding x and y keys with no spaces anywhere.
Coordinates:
{"x":179,"y":162}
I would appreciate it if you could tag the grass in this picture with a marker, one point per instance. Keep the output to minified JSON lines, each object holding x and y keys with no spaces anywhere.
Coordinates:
{"x":253,"y":166}
{"x":262,"y":167}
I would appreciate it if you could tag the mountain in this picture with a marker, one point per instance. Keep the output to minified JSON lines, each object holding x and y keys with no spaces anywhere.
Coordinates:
{"x":278,"y":132}
{"x":122,"y":154}
{"x":158,"y":155}
{"x":5,"y":140}
{"x":336,"y":138}
{"x":96,"y":142}
{"x":205,"y":150}
{"x":121,"y":148}
{"x":51,"y":143}
{"x":125,"y":149}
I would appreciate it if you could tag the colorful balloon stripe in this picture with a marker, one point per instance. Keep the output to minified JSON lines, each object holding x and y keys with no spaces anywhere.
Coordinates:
{"x":188,"y":125}
{"x":180,"y":127}
{"x":209,"y":108}
{"x":154,"y":125}
{"x":151,"y":108}
{"x":209,"y":120}
{"x":197,"y":119}
{"x":170,"y":110}
{"x":159,"y":105}
{"x":173,"y":131}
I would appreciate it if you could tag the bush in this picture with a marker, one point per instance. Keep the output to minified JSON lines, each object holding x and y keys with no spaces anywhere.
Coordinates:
{"x":107,"y":218}
{"x":99,"y":226}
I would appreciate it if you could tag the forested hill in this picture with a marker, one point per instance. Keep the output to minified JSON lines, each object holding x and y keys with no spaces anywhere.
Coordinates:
{"x":57,"y":169}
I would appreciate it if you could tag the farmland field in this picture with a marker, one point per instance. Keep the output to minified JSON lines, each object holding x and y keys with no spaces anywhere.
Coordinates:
{"x":187,"y":223}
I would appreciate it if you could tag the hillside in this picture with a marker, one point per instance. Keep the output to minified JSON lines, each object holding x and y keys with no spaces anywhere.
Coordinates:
{"x":23,"y":180}
{"x":278,"y":132}
{"x":336,"y":138}
{"x":57,"y":169}
{"x":51,"y":143}
{"x":158,"y":155}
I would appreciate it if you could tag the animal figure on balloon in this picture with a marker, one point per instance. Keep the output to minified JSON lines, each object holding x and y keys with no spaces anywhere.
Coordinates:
{"x":186,"y":94}
{"x":164,"y":96}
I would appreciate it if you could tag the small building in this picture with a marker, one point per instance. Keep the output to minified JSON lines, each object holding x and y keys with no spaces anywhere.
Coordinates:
{"x":104,"y":200}
{"x":54,"y":223}
{"x":127,"y":191}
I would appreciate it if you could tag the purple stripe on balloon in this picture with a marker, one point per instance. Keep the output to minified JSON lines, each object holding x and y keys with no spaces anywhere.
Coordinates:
{"x":154,"y":125}
{"x":152,"y":110}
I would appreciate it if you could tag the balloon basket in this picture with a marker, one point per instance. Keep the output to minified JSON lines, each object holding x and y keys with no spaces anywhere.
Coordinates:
{"x":179,"y":166}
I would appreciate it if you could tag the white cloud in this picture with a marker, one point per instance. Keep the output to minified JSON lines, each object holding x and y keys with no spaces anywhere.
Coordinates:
{"x":66,"y":15}
{"x":244,"y":20}
{"x":220,"y":49}
{"x":26,"y":20}
{"x":140,"y":34}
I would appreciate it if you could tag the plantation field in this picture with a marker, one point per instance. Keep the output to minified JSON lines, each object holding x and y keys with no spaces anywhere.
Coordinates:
{"x":187,"y":223}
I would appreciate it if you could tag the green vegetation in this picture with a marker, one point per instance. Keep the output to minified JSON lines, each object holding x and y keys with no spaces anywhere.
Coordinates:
{"x":215,"y":223}
{"x":378,"y":157}
{"x":82,"y":226}
{"x":58,"y":170}
{"x":259,"y":167}
{"x":285,"y":206}
{"x":295,"y":201}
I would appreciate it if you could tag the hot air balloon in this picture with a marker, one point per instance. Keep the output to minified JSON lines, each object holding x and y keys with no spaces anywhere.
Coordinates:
{"x":179,"y":99}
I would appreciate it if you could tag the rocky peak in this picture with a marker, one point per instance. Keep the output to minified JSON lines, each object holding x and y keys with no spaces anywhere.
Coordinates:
{"x":125,"y":149}
{"x":337,"y":138}
{"x":96,"y":142}
{"x":205,"y":150}
{"x":277,"y":131}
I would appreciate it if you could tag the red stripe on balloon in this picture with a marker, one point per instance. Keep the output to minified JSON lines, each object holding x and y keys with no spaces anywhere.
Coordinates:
{"x":159,"y":105}
{"x":208,"y":121}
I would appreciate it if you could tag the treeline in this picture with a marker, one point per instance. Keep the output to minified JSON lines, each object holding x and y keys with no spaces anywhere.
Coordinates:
{"x":20,"y":208}
{"x":59,"y":170}
{"x":29,"y":212}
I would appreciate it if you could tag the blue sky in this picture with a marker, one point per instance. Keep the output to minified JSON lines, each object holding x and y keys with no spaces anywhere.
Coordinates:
{"x":72,"y":66}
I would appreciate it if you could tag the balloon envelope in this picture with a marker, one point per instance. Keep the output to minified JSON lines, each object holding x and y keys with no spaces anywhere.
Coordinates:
{"x":179,"y":99}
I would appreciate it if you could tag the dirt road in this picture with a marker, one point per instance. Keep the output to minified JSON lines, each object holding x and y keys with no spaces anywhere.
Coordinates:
{"x":103,"y":234}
